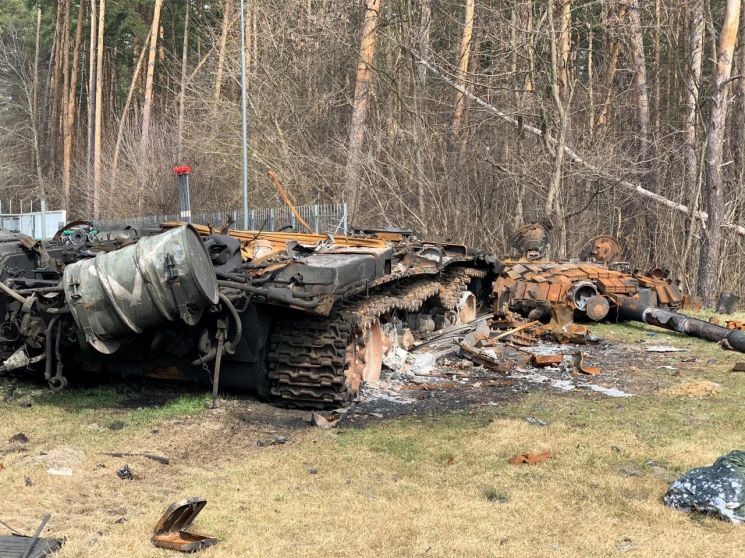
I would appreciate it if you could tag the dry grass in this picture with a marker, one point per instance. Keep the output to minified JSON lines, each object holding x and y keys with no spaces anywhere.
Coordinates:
{"x":424,"y":486}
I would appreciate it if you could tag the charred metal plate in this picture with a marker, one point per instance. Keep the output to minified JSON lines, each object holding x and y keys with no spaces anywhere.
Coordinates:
{"x":16,"y":546}
{"x":172,"y":532}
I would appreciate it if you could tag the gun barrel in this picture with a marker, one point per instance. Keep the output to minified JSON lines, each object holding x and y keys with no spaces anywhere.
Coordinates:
{"x":632,"y":309}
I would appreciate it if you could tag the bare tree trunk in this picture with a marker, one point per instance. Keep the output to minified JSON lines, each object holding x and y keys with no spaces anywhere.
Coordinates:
{"x":65,"y":67}
{"x":99,"y":112}
{"x":182,"y":89}
{"x":92,"y":41}
{"x":615,"y":48}
{"x":564,"y":46}
{"x":125,"y":110}
{"x":646,"y":153}
{"x":693,"y":80}
{"x":60,"y":66}
{"x":147,"y":104}
{"x":425,"y":24}
{"x":738,"y":122}
{"x":657,"y":67}
{"x":35,"y":84}
{"x":708,"y":270}
{"x":69,"y":123}
{"x":249,"y":44}
{"x":590,"y":84}
{"x":255,"y":35}
{"x":359,"y":107}
{"x":35,"y":89}
{"x":521,"y":42}
{"x":642,"y":92}
{"x":464,"y":55}
{"x":561,"y":94}
{"x":228,"y":9}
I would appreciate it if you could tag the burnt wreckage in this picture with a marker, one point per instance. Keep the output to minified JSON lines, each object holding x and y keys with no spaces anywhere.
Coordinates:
{"x":595,"y":288}
{"x":302,"y":319}
{"x":297,"y":318}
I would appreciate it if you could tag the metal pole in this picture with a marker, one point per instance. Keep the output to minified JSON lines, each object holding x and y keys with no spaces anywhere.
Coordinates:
{"x":43,"y":218}
{"x":244,"y":125}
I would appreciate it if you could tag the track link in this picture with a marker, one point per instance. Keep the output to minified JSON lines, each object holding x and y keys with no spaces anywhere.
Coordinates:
{"x":307,"y":355}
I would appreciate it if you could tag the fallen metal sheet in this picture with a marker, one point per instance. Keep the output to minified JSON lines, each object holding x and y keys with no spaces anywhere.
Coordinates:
{"x":15,"y":546}
{"x":664,"y":349}
{"x":172,"y":532}
{"x":546,"y":360}
{"x":579,"y":364}
{"x":484,"y":359}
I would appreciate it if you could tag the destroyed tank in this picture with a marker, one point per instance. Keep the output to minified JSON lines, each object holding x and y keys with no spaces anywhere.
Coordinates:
{"x":596,"y":287}
{"x":590,"y":286}
{"x":302,"y":319}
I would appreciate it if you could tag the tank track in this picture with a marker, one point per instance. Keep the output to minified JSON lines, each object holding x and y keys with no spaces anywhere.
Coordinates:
{"x":307,"y":355}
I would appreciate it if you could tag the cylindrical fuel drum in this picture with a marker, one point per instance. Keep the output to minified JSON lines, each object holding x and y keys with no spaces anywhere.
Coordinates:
{"x":164,"y":277}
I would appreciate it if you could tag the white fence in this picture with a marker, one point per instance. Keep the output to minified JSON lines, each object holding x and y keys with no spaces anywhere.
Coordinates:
{"x":322,"y":218}
{"x":30,"y":224}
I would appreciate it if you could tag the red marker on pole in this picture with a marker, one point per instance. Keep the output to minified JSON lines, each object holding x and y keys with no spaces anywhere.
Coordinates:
{"x":183,"y":172}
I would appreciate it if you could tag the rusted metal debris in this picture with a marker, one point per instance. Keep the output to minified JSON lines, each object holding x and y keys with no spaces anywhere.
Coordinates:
{"x":516,"y":329}
{"x":579,"y":364}
{"x":530,"y":458}
{"x":530,"y":241}
{"x":172,"y":529}
{"x":546,"y":360}
{"x":602,"y":288}
{"x":602,"y":249}
{"x":562,"y":327}
{"x":484,"y":359}
{"x":590,"y":288}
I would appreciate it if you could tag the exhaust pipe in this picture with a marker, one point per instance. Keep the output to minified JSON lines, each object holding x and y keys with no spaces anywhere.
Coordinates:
{"x":632,"y":309}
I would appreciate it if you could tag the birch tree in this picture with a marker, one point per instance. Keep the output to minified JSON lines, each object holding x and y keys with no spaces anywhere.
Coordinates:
{"x":711,"y":248}
{"x":362,"y":88}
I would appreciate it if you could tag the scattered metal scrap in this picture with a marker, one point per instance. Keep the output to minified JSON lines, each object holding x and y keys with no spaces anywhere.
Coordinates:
{"x":20,"y":546}
{"x":579,"y":364}
{"x":172,"y":529}
{"x":530,"y":458}
{"x":546,"y":360}
{"x":483,"y":358}
{"x":158,"y":458}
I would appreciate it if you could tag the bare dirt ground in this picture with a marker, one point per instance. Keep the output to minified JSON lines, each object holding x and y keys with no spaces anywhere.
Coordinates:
{"x":417,"y":468}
